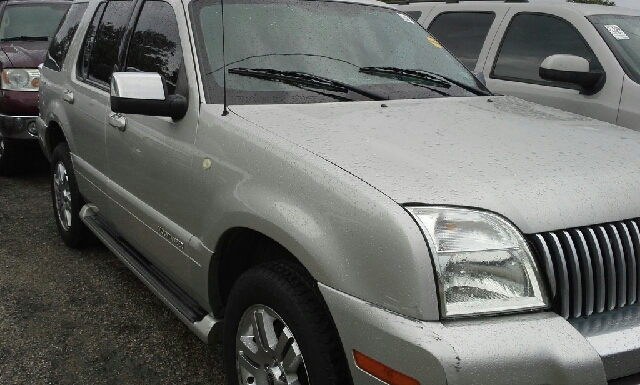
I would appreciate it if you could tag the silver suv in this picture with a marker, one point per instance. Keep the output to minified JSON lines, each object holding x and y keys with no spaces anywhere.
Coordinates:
{"x":324,"y":188}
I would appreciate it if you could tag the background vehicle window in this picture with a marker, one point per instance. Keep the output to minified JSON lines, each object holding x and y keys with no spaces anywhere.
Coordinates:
{"x":155,"y":44}
{"x":102,"y":44}
{"x":622,"y":34}
{"x":31,"y":20}
{"x":530,"y":39}
{"x":463,"y":33}
{"x":415,"y":15}
{"x":62,"y":39}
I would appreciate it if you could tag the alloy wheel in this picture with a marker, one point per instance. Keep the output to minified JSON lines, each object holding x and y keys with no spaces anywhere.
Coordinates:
{"x":62,"y":195}
{"x":267,"y":353}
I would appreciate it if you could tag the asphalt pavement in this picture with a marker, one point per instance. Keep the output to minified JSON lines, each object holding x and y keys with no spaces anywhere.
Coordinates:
{"x":80,"y":316}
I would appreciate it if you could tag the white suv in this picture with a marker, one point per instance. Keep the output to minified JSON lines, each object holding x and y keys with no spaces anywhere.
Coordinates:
{"x":576,"y":57}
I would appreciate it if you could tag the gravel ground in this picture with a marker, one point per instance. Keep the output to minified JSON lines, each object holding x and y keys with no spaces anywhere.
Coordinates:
{"x":81,"y":317}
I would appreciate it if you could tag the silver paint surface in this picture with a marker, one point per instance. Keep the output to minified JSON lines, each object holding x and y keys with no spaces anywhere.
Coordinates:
{"x":326,"y":182}
{"x":614,"y":335}
{"x":531,"y":349}
{"x":542,"y":168}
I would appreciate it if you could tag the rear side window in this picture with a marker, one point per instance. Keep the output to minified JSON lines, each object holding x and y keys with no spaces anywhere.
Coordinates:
{"x":62,"y":39}
{"x":102,"y":42}
{"x":155,"y":44}
{"x":530,"y":39}
{"x":463,"y":33}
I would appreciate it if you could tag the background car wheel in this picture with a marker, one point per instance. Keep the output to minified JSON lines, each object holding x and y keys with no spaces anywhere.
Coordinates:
{"x":278,"y":330}
{"x":67,"y":200}
{"x":12,"y":157}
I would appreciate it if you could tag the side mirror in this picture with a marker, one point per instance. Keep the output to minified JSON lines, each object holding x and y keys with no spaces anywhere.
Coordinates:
{"x":145,"y":93}
{"x":572,"y":69}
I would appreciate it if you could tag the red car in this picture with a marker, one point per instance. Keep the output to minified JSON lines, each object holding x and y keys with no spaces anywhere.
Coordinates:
{"x":26,"y":28}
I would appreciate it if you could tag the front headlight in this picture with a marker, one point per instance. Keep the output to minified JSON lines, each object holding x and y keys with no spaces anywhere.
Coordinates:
{"x":21,"y":79}
{"x":483,"y":262}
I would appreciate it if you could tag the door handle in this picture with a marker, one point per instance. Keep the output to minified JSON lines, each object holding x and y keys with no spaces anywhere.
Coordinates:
{"x":68,"y":96}
{"x":118,"y":121}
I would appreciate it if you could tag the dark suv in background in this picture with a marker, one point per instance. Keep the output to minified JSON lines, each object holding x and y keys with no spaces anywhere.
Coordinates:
{"x":26,"y":28}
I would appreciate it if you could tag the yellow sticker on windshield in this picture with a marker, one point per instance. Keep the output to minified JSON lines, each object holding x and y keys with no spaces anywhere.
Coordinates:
{"x":434,"y":41}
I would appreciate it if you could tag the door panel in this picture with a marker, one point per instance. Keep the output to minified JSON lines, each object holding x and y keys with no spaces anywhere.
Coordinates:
{"x":150,"y":157}
{"x":630,"y":105}
{"x":86,"y":120}
{"x":88,"y":96}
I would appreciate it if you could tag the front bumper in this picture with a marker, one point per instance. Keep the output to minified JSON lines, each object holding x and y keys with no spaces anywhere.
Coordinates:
{"x":526,"y":349}
{"x":17,"y":127}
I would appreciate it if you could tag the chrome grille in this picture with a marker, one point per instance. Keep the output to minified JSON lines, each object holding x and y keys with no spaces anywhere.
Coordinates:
{"x":591,"y":269}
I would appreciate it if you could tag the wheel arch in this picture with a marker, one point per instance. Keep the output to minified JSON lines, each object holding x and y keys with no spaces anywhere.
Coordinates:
{"x":238,"y":250}
{"x":54,"y":136}
{"x":335,"y":241}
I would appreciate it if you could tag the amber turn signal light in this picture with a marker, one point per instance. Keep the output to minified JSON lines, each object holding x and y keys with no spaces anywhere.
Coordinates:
{"x":382,"y":371}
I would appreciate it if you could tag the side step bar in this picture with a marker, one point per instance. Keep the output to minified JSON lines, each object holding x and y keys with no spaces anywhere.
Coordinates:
{"x":204,"y":325}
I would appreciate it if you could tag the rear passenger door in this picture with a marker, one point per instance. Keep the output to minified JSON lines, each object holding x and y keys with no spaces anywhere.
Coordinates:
{"x":150,"y":157}
{"x":527,"y":40}
{"x":88,"y":96}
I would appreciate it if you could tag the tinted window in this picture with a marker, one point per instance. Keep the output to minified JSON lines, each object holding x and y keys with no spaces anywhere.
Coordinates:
{"x":622,"y":34}
{"x":89,"y":39}
{"x":155,"y":44}
{"x":102,"y":42}
{"x":62,"y":39}
{"x":31,"y":20}
{"x":530,"y":39}
{"x":415,"y":15}
{"x":463,"y":33}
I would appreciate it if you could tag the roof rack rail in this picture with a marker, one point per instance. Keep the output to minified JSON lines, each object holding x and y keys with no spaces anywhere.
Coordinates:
{"x":448,"y":1}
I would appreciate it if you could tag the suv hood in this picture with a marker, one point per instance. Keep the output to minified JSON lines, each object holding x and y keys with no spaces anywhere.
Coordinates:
{"x":542,"y":168}
{"x":24,"y":54}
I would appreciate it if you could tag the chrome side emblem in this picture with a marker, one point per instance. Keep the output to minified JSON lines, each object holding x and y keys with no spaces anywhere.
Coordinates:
{"x":169,"y":237}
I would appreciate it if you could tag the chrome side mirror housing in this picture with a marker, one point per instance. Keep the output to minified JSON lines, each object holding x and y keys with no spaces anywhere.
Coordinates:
{"x":145,"y":93}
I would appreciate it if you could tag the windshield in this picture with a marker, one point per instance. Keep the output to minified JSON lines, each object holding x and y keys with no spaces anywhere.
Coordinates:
{"x":282,"y":51}
{"x":31,"y":21}
{"x":622,"y":34}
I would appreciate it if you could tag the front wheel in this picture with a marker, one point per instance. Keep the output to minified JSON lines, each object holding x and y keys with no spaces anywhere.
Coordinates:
{"x":67,"y":200}
{"x":278,"y":331}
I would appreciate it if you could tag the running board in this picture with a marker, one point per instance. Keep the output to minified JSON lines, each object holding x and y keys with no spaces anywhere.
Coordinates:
{"x":203,"y":324}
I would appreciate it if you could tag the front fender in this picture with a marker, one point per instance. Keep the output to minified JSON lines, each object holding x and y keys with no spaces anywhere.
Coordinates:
{"x":347,"y":234}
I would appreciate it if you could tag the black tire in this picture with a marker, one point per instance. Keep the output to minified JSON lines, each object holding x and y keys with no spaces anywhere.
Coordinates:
{"x":12,"y":157}
{"x":286,"y":290}
{"x":67,"y":200}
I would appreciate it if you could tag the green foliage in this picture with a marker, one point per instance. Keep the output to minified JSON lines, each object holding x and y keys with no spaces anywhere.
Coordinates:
{"x":600,"y":2}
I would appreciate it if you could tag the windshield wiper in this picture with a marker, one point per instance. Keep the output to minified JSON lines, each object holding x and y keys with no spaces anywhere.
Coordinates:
{"x":297,"y":78}
{"x":26,"y":38}
{"x":436,"y":79}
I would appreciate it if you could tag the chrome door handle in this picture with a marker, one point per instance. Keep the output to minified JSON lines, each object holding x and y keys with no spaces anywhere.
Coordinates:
{"x":68,"y":96}
{"x":118,"y":121}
